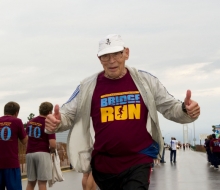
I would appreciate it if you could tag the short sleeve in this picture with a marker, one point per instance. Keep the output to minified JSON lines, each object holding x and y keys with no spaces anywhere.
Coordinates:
{"x":21,"y":132}
{"x":52,"y":136}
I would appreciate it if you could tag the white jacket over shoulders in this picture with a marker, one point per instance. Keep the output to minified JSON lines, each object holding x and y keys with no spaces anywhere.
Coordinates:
{"x":75,"y":115}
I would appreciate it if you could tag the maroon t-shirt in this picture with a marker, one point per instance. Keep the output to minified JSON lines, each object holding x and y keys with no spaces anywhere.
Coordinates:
{"x":38,"y":140}
{"x":11,"y":129}
{"x":215,"y":144}
{"x":119,"y":118}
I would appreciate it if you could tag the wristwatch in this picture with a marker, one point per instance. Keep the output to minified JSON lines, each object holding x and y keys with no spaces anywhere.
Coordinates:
{"x":184,"y":108}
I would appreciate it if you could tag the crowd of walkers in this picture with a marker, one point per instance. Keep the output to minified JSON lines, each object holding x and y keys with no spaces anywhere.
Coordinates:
{"x":212,"y":146}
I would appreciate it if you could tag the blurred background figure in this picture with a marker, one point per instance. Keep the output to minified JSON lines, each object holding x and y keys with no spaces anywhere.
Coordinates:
{"x":173,"y":144}
{"x":163,"y":154}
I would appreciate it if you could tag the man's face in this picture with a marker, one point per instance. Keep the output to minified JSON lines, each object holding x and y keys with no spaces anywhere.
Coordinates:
{"x":114,"y":63}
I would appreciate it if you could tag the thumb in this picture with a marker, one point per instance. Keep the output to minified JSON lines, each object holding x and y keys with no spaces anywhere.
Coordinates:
{"x":57,"y":112}
{"x":188,"y":97}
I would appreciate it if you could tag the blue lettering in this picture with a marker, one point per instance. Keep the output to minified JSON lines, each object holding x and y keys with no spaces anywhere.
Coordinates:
{"x":123,"y":100}
{"x":3,"y":133}
{"x":117,"y":102}
{"x":36,"y":131}
{"x":30,"y":130}
{"x":120,"y":100}
{"x":111,"y":101}
{"x":104,"y":102}
{"x":137,"y":98}
{"x":131,"y":99}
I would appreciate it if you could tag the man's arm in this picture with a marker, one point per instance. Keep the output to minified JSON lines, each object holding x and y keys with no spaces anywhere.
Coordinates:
{"x":22,"y":135}
{"x":24,"y":140}
{"x":62,"y":118}
{"x":211,"y":148}
{"x":170,"y":107}
{"x":52,"y":143}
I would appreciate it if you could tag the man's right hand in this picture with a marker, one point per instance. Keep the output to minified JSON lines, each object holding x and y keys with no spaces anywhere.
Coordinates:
{"x":53,"y":120}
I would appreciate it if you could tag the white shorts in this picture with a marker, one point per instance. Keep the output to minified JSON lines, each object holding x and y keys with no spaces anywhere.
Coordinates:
{"x":39,"y":166}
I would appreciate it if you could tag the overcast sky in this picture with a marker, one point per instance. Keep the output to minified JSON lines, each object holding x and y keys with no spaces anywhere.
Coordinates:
{"x":48,"y":47}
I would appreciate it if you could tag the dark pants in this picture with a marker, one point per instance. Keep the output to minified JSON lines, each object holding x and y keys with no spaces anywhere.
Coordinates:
{"x":209,"y":155}
{"x":216,"y":159}
{"x":163,"y":154}
{"x":173,"y":155}
{"x":134,"y":178}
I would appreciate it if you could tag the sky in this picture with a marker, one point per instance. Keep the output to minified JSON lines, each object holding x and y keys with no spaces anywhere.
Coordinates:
{"x":48,"y":47}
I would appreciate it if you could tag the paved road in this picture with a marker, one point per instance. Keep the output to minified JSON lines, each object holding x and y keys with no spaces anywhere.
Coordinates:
{"x":191,"y":172}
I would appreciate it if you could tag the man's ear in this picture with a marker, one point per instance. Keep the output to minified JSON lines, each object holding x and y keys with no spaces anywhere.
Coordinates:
{"x":16,"y":114}
{"x":127,"y":51}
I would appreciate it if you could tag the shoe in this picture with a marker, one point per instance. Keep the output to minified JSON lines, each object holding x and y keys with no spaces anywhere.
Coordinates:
{"x":163,"y":162}
{"x":215,"y":168}
{"x":211,"y":166}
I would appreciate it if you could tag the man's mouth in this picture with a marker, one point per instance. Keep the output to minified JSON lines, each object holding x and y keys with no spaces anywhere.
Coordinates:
{"x":112,"y":68}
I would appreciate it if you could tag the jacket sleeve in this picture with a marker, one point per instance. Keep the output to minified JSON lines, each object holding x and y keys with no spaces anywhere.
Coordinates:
{"x":166,"y":104}
{"x":68,"y":112}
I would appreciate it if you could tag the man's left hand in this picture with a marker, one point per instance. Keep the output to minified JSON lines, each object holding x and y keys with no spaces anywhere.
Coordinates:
{"x":192,"y":107}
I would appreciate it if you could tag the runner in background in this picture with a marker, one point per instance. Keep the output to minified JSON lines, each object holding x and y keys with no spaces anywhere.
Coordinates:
{"x":40,"y":144}
{"x":11,"y":130}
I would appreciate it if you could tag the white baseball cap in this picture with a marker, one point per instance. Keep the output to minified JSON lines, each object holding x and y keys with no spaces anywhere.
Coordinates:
{"x":110,"y":44}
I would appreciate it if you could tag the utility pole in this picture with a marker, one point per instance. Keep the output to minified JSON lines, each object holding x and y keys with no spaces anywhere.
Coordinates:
{"x":165,"y":136}
{"x":191,"y":137}
{"x":185,"y":134}
{"x":194,"y":139}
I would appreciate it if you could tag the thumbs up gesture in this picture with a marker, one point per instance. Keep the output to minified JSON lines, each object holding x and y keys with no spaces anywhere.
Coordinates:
{"x":192,"y":107}
{"x":53,"y":120}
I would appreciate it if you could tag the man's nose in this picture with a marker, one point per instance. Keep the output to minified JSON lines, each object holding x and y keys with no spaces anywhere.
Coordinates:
{"x":111,"y":58}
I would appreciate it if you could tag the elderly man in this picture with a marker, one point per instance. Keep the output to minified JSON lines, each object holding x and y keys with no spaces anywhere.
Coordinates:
{"x":122,"y":103}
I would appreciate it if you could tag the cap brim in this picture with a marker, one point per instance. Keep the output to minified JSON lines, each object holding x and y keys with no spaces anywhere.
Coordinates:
{"x":110,"y":50}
